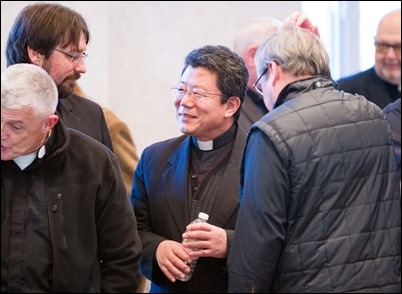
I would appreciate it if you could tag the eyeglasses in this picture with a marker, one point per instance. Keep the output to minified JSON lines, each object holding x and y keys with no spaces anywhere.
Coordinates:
{"x":74,"y":57}
{"x":256,"y":85}
{"x":382,"y":47}
{"x":178,"y":91}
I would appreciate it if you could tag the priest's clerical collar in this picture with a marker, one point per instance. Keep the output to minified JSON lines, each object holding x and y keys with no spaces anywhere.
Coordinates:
{"x":218,"y":142}
{"x":25,"y":160}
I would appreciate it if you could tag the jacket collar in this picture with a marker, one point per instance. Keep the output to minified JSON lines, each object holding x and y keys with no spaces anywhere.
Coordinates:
{"x":301,"y":86}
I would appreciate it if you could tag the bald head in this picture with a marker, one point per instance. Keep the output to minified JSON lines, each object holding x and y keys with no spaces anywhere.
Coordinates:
{"x":389,"y":26}
{"x":388,"y":39}
{"x":256,"y":31}
{"x":250,"y":37}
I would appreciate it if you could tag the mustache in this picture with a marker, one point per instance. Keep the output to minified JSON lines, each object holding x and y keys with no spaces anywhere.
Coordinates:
{"x":65,"y":91}
{"x":75,"y":76}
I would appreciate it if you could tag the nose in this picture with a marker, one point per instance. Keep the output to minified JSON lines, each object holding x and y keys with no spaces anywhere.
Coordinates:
{"x":392,"y":53}
{"x":80,"y":66}
{"x":3,"y":131}
{"x":187,"y":99}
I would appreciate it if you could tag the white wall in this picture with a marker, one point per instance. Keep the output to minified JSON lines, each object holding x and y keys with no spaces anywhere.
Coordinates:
{"x":138,"y":48}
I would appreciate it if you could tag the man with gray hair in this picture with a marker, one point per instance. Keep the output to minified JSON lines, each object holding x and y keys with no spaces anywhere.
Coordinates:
{"x":246,"y":43}
{"x":66,"y":223}
{"x":320,"y":199}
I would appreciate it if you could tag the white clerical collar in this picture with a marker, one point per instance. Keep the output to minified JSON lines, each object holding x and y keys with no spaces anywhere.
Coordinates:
{"x":205,"y":145}
{"x":25,"y":160}
{"x":218,"y":142}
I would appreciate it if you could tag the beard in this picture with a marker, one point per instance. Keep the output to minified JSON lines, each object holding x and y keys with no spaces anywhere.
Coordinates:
{"x":64,"y":89}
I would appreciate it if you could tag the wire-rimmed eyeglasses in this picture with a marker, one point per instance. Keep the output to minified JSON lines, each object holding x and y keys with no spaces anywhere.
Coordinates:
{"x":74,"y":57}
{"x":179,"y":91}
{"x":256,"y":85}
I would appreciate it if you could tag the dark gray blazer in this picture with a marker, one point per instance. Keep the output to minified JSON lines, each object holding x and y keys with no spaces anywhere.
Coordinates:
{"x":85,"y":116}
{"x":159,"y":197}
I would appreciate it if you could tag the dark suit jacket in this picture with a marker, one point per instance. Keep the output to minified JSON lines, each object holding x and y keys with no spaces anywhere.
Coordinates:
{"x":159,"y":197}
{"x":252,"y":109}
{"x":85,"y":116}
{"x":368,"y":84}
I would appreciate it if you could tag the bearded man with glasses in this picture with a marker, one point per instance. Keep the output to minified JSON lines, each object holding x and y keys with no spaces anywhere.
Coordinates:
{"x":55,"y":38}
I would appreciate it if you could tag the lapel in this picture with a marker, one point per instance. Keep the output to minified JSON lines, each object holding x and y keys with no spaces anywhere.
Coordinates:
{"x":227,"y":201}
{"x":175,"y":180}
{"x":65,"y":109}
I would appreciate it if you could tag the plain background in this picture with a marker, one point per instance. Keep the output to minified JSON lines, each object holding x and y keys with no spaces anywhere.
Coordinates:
{"x":137,"y":50}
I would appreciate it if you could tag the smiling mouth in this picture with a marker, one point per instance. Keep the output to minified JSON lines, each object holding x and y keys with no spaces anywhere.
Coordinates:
{"x":184,"y":115}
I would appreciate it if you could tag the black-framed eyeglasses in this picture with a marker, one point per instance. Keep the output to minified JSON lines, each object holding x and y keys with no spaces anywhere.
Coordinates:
{"x":179,"y":91}
{"x":256,"y":85}
{"x":74,"y":57}
{"x":383,"y":47}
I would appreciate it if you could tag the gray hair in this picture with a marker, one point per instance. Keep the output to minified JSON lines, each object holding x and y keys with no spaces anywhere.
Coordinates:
{"x":255,"y":31}
{"x":28,"y":85}
{"x":298,"y":52}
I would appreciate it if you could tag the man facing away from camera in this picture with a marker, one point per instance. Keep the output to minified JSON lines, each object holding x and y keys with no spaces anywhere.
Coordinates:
{"x":320,"y":199}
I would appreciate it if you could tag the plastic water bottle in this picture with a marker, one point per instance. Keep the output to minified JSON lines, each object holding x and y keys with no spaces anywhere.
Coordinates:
{"x":202,"y":218}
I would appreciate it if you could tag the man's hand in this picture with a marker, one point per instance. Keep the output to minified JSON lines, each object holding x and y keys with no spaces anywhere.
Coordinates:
{"x":302,"y":21}
{"x":210,"y":241}
{"x":171,"y":257}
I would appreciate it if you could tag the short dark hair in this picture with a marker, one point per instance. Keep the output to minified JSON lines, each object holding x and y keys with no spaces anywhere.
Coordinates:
{"x":229,"y":67}
{"x":43,"y":26}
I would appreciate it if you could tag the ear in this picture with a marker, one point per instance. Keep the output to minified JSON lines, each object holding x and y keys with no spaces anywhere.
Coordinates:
{"x":275,"y":72}
{"x":35,"y":57}
{"x":249,"y":55}
{"x":232,"y":106}
{"x":51,"y":121}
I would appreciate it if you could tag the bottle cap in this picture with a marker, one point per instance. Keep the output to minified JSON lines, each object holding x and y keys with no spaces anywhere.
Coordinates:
{"x":203,"y":215}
